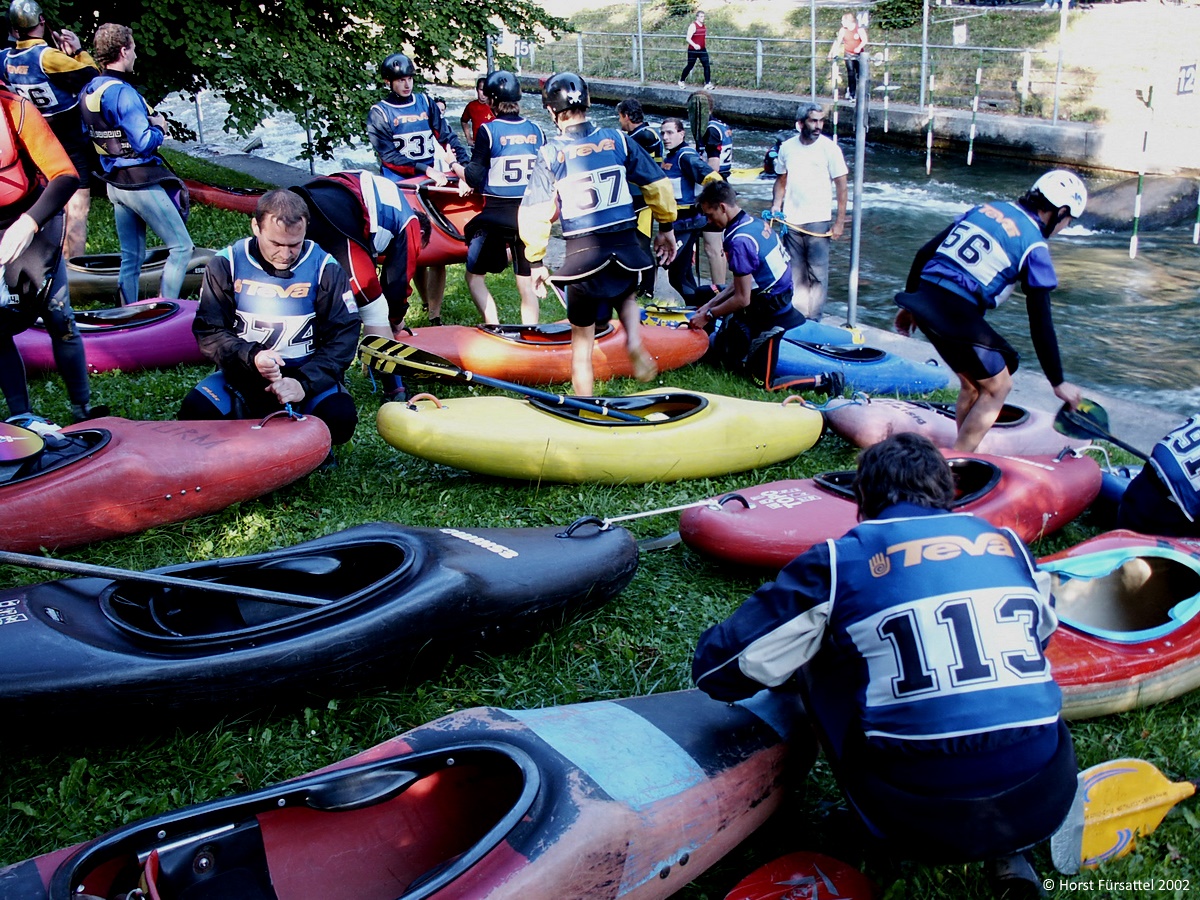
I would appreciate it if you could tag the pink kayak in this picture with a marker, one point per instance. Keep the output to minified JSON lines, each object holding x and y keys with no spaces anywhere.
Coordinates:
{"x":149,"y":334}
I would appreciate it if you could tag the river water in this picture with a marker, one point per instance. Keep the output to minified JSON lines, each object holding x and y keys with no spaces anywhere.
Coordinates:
{"x":1125,"y":326}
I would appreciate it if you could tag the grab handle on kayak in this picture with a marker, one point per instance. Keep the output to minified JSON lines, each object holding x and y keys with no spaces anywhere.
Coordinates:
{"x":288,"y":413}
{"x":580,"y":522}
{"x":721,"y":501}
{"x":345,"y":793}
{"x":424,"y":396}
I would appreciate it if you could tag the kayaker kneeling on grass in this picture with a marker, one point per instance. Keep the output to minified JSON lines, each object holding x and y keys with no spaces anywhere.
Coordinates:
{"x":756,"y":308}
{"x":581,"y":176}
{"x":1164,"y":498}
{"x":915,"y":645}
{"x":972,"y":266}
{"x":278,"y":318}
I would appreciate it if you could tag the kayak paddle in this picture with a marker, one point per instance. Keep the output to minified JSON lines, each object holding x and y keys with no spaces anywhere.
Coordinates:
{"x":385,"y":355}
{"x":1090,"y":420}
{"x":1116,"y":801}
{"x":804,"y":874}
{"x":191,"y":584}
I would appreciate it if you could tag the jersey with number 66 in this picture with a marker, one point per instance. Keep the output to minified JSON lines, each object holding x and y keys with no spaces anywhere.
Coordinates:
{"x":990,"y":249}
{"x":939,"y":619}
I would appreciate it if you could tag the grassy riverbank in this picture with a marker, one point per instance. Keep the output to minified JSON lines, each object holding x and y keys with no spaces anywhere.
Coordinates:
{"x":641,"y":643}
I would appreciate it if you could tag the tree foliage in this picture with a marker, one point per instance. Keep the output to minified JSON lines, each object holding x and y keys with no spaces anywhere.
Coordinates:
{"x":896,"y":15}
{"x":316,"y":60}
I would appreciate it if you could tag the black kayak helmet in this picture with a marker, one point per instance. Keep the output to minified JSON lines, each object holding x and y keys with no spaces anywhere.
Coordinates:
{"x":24,"y":14}
{"x":502,"y":87}
{"x":397,"y":65}
{"x":563,"y":91}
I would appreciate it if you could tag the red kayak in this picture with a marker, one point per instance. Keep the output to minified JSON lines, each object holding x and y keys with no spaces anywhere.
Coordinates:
{"x":111,"y":477}
{"x":541,"y":354}
{"x":865,"y":421}
{"x":1129,"y":635}
{"x":448,"y":213}
{"x":628,"y":799}
{"x":149,"y":334}
{"x":804,"y":876}
{"x":768,"y":525}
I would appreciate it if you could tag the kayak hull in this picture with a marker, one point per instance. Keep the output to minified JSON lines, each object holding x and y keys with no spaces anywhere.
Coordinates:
{"x":124,"y":338}
{"x":397,"y":601}
{"x":514,"y":438}
{"x":768,"y":525}
{"x":152,"y":473}
{"x":1018,"y":432}
{"x":630,"y":798}
{"x":94,"y":277}
{"x":863,"y":368}
{"x":1130,"y":638}
{"x":542,"y":354}
{"x":448,"y":213}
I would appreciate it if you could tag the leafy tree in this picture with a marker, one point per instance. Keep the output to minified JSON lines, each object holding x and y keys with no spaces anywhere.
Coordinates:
{"x":316,"y":60}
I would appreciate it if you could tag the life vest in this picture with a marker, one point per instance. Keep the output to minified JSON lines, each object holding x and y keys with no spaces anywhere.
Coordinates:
{"x":24,"y":72}
{"x":15,"y":182}
{"x":773,"y":277}
{"x":1176,"y":459}
{"x":588,"y":168}
{"x":514,"y":147}
{"x":109,"y":138}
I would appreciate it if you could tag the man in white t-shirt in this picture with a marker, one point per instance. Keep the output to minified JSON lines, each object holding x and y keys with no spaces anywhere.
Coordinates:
{"x":809,"y":166}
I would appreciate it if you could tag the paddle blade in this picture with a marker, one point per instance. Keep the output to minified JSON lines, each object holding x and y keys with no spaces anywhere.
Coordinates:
{"x":1089,"y":420}
{"x":387,"y":356}
{"x":1122,"y":799}
{"x":804,"y":875}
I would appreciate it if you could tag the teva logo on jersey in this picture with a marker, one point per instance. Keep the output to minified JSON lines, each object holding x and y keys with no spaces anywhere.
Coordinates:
{"x":499,"y":549}
{"x":266,"y":289}
{"x":939,"y":549}
{"x":574,"y":150}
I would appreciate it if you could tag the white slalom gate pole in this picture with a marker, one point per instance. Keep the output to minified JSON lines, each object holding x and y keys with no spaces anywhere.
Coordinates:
{"x":1196,"y":227}
{"x":886,"y":88}
{"x":974,"y":113}
{"x":1137,"y":200}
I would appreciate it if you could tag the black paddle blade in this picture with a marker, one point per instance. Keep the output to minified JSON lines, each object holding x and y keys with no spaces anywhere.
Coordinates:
{"x":1089,"y":420}
{"x":387,"y":356}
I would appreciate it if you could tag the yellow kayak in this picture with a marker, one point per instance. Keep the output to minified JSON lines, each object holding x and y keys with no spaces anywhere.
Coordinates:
{"x":680,"y":434}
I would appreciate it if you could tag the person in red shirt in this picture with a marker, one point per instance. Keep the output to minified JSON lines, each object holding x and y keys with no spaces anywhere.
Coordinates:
{"x":851,"y":40}
{"x":476,"y":112}
{"x":697,"y":51}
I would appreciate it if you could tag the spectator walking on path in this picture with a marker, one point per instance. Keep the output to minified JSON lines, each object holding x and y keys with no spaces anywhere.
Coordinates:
{"x":810,"y":166}
{"x":697,"y":51}
{"x":51,"y":77}
{"x":851,"y":40}
{"x":144,"y":191}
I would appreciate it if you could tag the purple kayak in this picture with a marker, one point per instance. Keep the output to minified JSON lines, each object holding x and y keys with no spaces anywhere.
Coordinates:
{"x":149,"y":334}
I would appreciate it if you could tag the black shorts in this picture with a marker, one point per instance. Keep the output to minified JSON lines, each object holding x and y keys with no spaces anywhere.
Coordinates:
{"x":490,"y":248}
{"x":956,"y":328}
{"x":592,"y":300}
{"x":78,"y":146}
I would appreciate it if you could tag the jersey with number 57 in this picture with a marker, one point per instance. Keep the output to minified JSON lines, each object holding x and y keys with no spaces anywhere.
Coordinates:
{"x":582,"y":177}
{"x":935,"y":622}
{"x":988,"y":251}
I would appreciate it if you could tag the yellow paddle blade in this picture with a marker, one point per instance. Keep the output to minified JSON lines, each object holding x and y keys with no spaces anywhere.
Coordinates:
{"x":385,"y":355}
{"x":1124,"y":798}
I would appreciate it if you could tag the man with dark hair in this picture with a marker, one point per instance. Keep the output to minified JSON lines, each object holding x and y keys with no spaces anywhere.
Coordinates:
{"x":51,"y":77}
{"x":688,"y":173}
{"x":971,"y":267}
{"x":632,"y":121}
{"x":755,"y":309}
{"x":916,"y":645}
{"x":476,"y":112}
{"x":582,"y":177}
{"x":279,"y":320}
{"x":144,"y":191}
{"x":503,"y":157}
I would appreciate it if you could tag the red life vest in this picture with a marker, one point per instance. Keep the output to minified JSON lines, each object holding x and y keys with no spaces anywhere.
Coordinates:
{"x":14,"y":177}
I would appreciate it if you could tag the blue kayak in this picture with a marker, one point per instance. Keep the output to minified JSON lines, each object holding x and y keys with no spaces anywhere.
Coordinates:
{"x":811,"y":331}
{"x":866,"y":369}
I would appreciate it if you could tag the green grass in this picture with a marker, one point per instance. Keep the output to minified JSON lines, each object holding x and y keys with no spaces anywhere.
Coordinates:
{"x":641,"y":643}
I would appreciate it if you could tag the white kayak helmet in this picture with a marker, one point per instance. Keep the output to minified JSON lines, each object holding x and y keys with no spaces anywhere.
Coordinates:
{"x":1063,"y":188}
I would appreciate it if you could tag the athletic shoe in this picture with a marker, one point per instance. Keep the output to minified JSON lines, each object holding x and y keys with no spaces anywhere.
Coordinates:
{"x":81,"y":412}
{"x":435,"y":320}
{"x":682,"y":85}
{"x":1014,"y":878}
{"x":709,"y":86}
{"x":34,"y":423}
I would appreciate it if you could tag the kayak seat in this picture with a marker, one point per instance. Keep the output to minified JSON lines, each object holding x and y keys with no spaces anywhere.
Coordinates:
{"x":651,"y":408}
{"x":228,"y":866}
{"x":1126,"y":598}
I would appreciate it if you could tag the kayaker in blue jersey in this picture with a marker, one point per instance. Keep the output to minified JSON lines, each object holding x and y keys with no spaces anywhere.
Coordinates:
{"x":144,"y":191}
{"x":505,"y":149}
{"x":408,"y":133}
{"x":1164,"y":498}
{"x":582,"y":178}
{"x":688,"y":174}
{"x":279,"y":320}
{"x":50,"y":76}
{"x":756,"y":308}
{"x":632,"y":120}
{"x":972,"y":266}
{"x":915,"y":643}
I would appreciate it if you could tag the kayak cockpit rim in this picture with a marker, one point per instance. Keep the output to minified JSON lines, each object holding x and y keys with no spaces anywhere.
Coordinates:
{"x":546,"y":333}
{"x":1010,"y":415}
{"x":850,"y":353}
{"x":124,"y":318}
{"x":1127,"y":595}
{"x":183,"y":619}
{"x":432,"y":816}
{"x":76,"y":446}
{"x":652,"y":409}
{"x":973,"y":480}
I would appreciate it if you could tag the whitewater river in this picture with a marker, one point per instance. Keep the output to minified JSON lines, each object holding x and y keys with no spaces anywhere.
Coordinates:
{"x":1125,"y":326}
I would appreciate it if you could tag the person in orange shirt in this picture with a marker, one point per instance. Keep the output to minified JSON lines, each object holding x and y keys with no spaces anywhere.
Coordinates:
{"x":851,"y":40}
{"x":37,"y":180}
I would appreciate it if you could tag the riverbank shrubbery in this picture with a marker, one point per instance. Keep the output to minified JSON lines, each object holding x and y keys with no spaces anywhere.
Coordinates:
{"x":641,"y":643}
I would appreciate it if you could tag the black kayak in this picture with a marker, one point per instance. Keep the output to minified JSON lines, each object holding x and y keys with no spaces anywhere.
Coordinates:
{"x":377,"y":604}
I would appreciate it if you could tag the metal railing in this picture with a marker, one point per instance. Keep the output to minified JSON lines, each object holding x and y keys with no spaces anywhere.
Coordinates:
{"x":1020,"y":81}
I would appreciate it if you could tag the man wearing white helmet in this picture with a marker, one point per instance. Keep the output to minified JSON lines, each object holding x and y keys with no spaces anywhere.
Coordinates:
{"x":973,"y":266}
